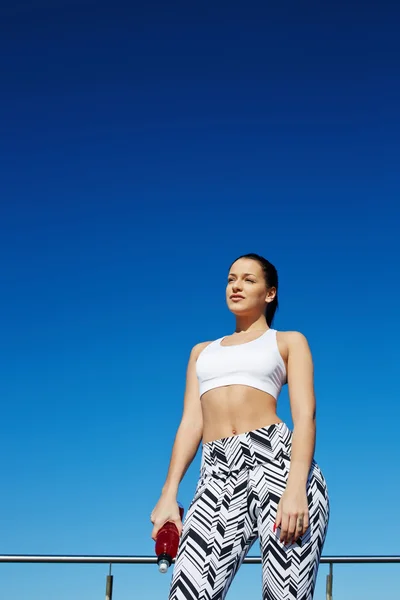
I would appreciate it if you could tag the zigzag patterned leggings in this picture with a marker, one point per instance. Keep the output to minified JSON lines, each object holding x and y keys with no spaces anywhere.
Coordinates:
{"x":242,"y":478}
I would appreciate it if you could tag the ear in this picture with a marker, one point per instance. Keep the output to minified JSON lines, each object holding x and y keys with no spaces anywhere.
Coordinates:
{"x":271,"y":294}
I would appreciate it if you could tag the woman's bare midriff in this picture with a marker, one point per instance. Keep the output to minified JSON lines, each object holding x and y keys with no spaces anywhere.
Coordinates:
{"x":232,"y":409}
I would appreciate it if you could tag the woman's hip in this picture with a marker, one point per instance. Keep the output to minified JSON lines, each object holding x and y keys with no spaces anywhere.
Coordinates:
{"x":268,"y":445}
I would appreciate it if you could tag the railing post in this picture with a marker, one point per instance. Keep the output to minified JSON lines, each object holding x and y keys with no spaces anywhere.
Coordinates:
{"x":109,"y":585}
{"x":329,"y":583}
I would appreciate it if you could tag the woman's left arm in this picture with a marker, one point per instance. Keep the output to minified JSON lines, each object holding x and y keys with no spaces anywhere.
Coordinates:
{"x":292,"y":513}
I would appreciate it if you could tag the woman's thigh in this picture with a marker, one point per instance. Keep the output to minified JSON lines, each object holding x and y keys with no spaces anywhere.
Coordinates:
{"x":291,"y":571}
{"x":219,"y":529}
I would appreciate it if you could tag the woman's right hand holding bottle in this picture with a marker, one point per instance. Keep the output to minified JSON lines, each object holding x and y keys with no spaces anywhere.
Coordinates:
{"x":166,"y":509}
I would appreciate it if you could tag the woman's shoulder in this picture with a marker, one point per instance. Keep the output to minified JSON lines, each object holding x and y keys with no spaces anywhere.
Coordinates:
{"x":199,"y":347}
{"x":291,"y":335}
{"x":292,"y":338}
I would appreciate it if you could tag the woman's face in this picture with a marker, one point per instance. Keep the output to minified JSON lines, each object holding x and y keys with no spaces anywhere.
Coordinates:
{"x":246,"y":278}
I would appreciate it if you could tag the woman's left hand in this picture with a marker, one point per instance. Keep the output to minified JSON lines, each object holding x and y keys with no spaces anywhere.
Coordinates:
{"x":292,"y":514}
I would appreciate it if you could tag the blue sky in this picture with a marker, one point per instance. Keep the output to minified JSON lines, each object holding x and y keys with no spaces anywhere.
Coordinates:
{"x":142,"y":150}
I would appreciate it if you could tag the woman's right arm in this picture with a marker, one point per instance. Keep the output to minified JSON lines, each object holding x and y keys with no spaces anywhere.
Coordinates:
{"x":187,"y":440}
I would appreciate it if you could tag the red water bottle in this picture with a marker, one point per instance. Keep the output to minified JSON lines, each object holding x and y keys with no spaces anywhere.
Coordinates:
{"x":167,"y":542}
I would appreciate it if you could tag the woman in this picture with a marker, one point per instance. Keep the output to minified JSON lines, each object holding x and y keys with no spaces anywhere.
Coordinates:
{"x":258,"y":478}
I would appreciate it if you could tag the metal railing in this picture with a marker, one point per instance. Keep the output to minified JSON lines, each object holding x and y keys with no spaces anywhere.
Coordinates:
{"x":151,"y":560}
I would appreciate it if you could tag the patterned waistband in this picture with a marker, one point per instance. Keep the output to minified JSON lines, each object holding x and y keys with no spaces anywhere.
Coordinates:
{"x":246,"y":450}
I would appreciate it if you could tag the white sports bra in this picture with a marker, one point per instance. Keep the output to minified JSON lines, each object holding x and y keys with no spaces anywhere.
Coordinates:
{"x":257,"y":363}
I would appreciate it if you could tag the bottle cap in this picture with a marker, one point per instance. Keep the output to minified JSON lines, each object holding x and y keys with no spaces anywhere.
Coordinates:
{"x":163,"y":565}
